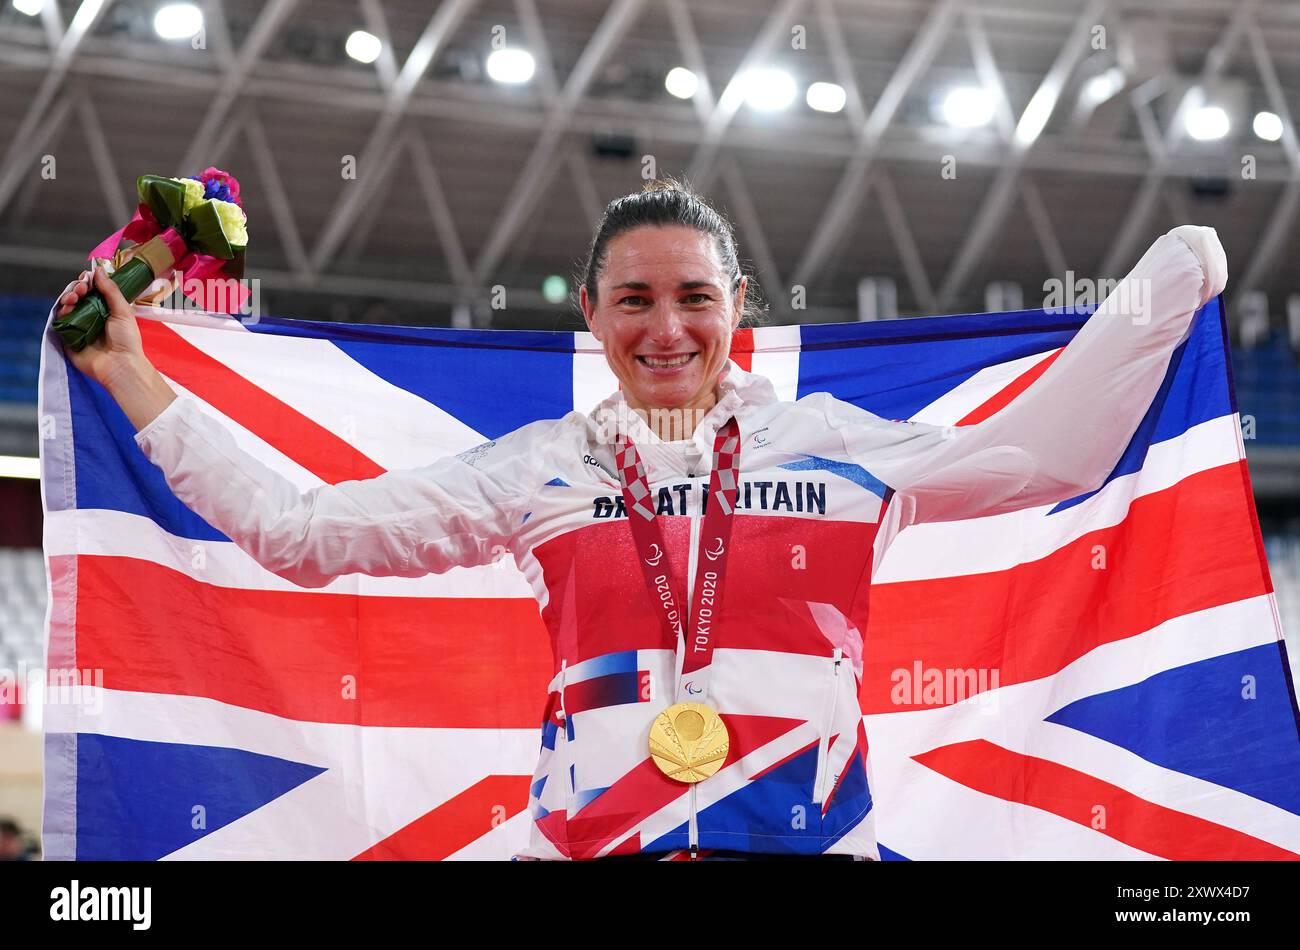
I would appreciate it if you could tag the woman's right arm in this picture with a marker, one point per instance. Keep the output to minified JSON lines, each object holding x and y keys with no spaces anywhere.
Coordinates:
{"x":457,"y":511}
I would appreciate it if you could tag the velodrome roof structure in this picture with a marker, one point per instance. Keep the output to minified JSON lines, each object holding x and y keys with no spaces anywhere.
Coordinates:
{"x":463,"y":184}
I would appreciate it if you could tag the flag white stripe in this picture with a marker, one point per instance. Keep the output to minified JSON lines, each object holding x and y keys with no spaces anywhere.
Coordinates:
{"x":776,"y":356}
{"x":593,"y":380}
{"x":1167,"y":787}
{"x":971,"y":393}
{"x":105,"y":532}
{"x":386,"y":423}
{"x":1000,"y":542}
{"x":191,"y":318}
{"x":501,"y":843}
{"x":923,"y":815}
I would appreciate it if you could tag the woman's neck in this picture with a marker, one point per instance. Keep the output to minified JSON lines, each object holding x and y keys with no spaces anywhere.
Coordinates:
{"x":674,"y":423}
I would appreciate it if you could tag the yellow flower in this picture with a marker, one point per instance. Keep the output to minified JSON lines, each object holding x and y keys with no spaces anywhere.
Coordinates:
{"x":233,"y":222}
{"x":193,"y":193}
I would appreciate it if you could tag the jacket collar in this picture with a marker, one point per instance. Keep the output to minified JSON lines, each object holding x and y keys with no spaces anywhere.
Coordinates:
{"x":737,"y":391}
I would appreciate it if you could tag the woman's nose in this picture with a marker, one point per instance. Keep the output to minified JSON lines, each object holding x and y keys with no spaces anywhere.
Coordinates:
{"x":665,"y":323}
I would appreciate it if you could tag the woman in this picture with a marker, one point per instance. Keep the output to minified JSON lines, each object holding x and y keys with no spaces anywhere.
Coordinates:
{"x":697,"y":545}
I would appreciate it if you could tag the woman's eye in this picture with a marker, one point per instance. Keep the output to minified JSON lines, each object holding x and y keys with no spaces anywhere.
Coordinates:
{"x":632,"y":300}
{"x":702,"y":298}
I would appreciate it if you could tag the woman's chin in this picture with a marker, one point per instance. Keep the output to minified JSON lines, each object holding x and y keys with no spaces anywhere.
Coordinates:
{"x":667,"y":394}
{"x":667,"y":389}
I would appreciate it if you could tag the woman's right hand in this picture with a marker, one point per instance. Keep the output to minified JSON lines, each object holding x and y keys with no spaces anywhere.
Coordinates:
{"x":118,"y":350}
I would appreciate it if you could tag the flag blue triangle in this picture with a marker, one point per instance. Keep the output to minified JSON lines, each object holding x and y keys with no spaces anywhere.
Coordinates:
{"x":140,"y":801}
{"x":1228,"y":720}
{"x":533,"y":381}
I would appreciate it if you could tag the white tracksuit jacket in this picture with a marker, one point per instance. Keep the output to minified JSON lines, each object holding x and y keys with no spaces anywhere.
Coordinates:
{"x":820,"y":476}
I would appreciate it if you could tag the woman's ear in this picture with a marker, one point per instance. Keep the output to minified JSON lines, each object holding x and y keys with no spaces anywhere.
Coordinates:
{"x":738,"y":305}
{"x":588,"y":311}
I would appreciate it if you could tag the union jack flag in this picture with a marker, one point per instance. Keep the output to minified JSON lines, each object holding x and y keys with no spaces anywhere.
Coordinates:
{"x":1015,"y":709}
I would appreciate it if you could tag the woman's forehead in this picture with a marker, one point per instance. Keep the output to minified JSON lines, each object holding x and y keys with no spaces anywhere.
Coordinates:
{"x":653,"y":255}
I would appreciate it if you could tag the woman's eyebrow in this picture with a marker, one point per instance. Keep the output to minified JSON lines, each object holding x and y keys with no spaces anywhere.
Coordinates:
{"x":684,"y":285}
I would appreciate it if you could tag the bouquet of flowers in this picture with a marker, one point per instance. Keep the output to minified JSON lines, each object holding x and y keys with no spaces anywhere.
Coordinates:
{"x":189,"y":230}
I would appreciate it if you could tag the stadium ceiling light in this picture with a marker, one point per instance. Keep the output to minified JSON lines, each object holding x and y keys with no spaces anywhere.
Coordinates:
{"x":1206,"y":123}
{"x":681,"y":82}
{"x":826,"y":97}
{"x":768,"y":90}
{"x":1268,"y":126}
{"x":29,"y":7}
{"x":1034,"y":119}
{"x":178,"y":21}
{"x":967,"y":107}
{"x":363,"y":47}
{"x":1103,"y":86}
{"x":511,"y":65}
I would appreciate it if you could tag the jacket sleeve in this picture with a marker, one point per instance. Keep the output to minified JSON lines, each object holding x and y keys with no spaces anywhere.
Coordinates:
{"x":460,"y":511}
{"x":1064,"y":434}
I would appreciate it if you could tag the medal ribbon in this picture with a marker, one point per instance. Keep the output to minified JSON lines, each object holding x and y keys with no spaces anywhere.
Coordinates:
{"x":713,"y":547}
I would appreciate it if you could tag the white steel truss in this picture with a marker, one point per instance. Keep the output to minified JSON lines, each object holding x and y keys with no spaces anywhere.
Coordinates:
{"x":870,"y":136}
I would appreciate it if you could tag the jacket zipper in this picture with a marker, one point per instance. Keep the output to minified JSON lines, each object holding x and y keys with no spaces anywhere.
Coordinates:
{"x":692,"y":828}
{"x":828,"y":723}
{"x":562,"y":742}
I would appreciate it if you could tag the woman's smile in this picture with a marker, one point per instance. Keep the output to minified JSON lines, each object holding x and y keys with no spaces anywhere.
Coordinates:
{"x":666,"y":365}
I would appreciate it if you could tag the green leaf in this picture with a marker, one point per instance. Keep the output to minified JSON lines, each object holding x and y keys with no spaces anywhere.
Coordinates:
{"x":165,"y":198}
{"x":207,"y":237}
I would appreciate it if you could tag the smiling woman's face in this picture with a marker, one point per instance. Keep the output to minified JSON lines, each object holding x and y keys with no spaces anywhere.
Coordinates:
{"x":664,"y":314}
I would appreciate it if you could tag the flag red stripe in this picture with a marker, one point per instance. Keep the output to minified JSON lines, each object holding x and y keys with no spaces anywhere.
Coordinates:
{"x":456,"y":823}
{"x":742,"y":348}
{"x":311,"y":445}
{"x":1089,"y":801}
{"x":1009,"y":392}
{"x":1179,"y":550}
{"x":458,"y":662}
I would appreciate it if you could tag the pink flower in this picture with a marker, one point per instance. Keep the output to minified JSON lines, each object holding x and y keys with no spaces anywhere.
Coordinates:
{"x":232,"y":183}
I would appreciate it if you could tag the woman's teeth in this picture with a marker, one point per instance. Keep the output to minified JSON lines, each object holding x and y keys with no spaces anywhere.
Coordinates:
{"x":660,"y":363}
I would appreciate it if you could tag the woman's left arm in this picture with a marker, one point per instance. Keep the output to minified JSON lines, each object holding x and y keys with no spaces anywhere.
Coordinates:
{"x":1063,"y":435}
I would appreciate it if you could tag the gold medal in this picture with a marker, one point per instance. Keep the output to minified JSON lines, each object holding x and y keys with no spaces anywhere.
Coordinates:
{"x":688,"y":741}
